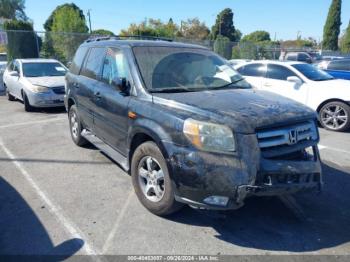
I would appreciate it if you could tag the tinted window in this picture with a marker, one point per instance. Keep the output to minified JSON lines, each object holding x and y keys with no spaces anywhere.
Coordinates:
{"x":278,"y":72}
{"x":292,"y":57}
{"x":312,"y":72}
{"x":3,"y":57}
{"x":303,"y":57}
{"x":339,"y":65}
{"x":92,"y":67}
{"x":114,"y":66}
{"x":257,"y":70}
{"x":78,"y":60}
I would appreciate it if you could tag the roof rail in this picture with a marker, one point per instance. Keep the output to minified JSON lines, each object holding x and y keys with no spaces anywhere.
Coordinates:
{"x":127,"y":37}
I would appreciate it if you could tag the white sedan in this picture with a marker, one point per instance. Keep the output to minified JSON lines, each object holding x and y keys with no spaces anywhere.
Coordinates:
{"x":36,"y":82}
{"x":306,"y":84}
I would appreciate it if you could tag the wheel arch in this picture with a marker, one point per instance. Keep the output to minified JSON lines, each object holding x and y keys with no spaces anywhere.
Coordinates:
{"x":142,"y":134}
{"x":329,"y":101}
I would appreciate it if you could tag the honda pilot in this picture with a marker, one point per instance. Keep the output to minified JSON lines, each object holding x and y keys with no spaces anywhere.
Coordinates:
{"x":187,"y":127}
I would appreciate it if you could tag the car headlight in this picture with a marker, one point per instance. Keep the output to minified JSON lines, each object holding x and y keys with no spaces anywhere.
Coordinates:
{"x":209,"y":137}
{"x":39,"y":89}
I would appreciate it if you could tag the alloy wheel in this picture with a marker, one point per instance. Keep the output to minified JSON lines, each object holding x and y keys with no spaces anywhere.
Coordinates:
{"x":151,"y":178}
{"x":334,"y":117}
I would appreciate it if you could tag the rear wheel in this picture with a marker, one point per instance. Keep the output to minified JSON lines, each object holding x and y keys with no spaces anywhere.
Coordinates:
{"x":335,"y":116}
{"x":152,"y":183}
{"x":76,"y":126}
{"x":27,"y":106}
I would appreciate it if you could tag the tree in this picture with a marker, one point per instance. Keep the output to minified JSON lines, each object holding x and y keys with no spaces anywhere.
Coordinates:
{"x":21,"y":44}
{"x":331,"y":29}
{"x":102,"y":32}
{"x":67,"y":18}
{"x":257,"y":36}
{"x":13,"y":9}
{"x":345,"y":41}
{"x":224,"y":26}
{"x":152,"y":27}
{"x":194,"y":29}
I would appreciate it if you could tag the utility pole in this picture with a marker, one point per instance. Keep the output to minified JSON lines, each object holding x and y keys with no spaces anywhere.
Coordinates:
{"x":89,"y":16}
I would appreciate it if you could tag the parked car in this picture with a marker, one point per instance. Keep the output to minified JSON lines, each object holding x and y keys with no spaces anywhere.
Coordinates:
{"x":36,"y":82}
{"x":306,"y":84}
{"x":338,"y":68}
{"x":188,"y":127}
{"x":3,"y":63}
{"x":307,"y":57}
{"x":234,"y":62}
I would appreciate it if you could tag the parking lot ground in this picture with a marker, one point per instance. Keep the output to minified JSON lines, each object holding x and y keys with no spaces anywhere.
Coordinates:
{"x":57,"y":198}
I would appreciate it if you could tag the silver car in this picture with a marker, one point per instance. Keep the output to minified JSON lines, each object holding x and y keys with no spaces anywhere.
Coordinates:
{"x":36,"y":82}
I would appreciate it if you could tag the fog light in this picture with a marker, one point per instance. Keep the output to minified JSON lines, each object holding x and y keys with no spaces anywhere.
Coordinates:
{"x":216,"y":200}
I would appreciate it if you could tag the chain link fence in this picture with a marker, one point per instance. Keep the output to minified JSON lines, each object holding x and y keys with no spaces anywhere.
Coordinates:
{"x":62,"y":46}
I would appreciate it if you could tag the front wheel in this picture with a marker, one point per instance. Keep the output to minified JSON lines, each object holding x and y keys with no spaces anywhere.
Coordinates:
{"x":335,"y":116}
{"x":152,"y":183}
{"x":27,"y":106}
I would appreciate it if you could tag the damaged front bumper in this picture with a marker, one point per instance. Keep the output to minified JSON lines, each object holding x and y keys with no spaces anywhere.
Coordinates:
{"x":199,"y":175}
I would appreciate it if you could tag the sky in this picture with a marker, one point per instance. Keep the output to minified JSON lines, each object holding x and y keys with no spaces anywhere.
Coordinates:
{"x":283,"y":18}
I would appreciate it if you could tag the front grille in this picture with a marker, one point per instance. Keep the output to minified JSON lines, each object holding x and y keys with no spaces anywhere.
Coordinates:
{"x":59,"y":90}
{"x":285,"y":140}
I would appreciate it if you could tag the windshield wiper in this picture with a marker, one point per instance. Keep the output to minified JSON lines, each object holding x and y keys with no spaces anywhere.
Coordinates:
{"x":170,"y":90}
{"x":230,"y":84}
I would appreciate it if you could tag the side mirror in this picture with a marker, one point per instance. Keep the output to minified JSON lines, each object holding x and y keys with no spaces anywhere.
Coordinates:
{"x":14,"y":73}
{"x":122,"y":85}
{"x":295,"y":80}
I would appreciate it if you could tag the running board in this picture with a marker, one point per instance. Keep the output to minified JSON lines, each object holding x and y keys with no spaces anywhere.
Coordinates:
{"x":112,"y":153}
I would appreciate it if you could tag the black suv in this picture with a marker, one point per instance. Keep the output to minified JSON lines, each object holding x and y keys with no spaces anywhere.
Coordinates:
{"x":188,"y":127}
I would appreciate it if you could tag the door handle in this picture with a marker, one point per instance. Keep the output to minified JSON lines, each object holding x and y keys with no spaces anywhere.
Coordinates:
{"x":76,"y":85}
{"x":267,"y":85}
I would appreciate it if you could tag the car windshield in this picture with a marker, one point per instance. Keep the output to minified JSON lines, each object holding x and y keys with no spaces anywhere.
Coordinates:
{"x":43,"y":69}
{"x":176,"y":69}
{"x":312,"y":72}
{"x":3,"y":57}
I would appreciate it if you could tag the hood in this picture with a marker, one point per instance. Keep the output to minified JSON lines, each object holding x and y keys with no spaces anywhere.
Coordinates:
{"x":244,"y":110}
{"x":47,"y":81}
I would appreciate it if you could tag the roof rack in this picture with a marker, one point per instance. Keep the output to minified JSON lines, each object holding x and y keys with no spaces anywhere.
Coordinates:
{"x":127,"y":37}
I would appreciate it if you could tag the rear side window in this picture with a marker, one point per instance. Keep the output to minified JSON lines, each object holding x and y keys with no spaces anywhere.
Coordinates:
{"x":339,"y":65}
{"x":257,"y":70}
{"x":78,"y":60}
{"x":303,"y":57}
{"x":93,"y":63}
{"x":291,"y":57}
{"x":278,"y":72}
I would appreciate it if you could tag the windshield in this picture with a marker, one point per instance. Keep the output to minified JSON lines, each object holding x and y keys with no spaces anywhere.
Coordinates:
{"x":3,"y":57}
{"x":174,"y":69}
{"x":43,"y":69}
{"x":312,"y":72}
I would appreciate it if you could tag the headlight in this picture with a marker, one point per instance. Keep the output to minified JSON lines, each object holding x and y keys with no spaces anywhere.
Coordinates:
{"x":39,"y":89}
{"x":209,"y":137}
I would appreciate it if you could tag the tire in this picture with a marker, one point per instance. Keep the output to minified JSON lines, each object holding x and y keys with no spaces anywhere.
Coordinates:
{"x":9,"y":96}
{"x":335,"y":116}
{"x":27,"y":106}
{"x":75,"y":127}
{"x":164,"y":203}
